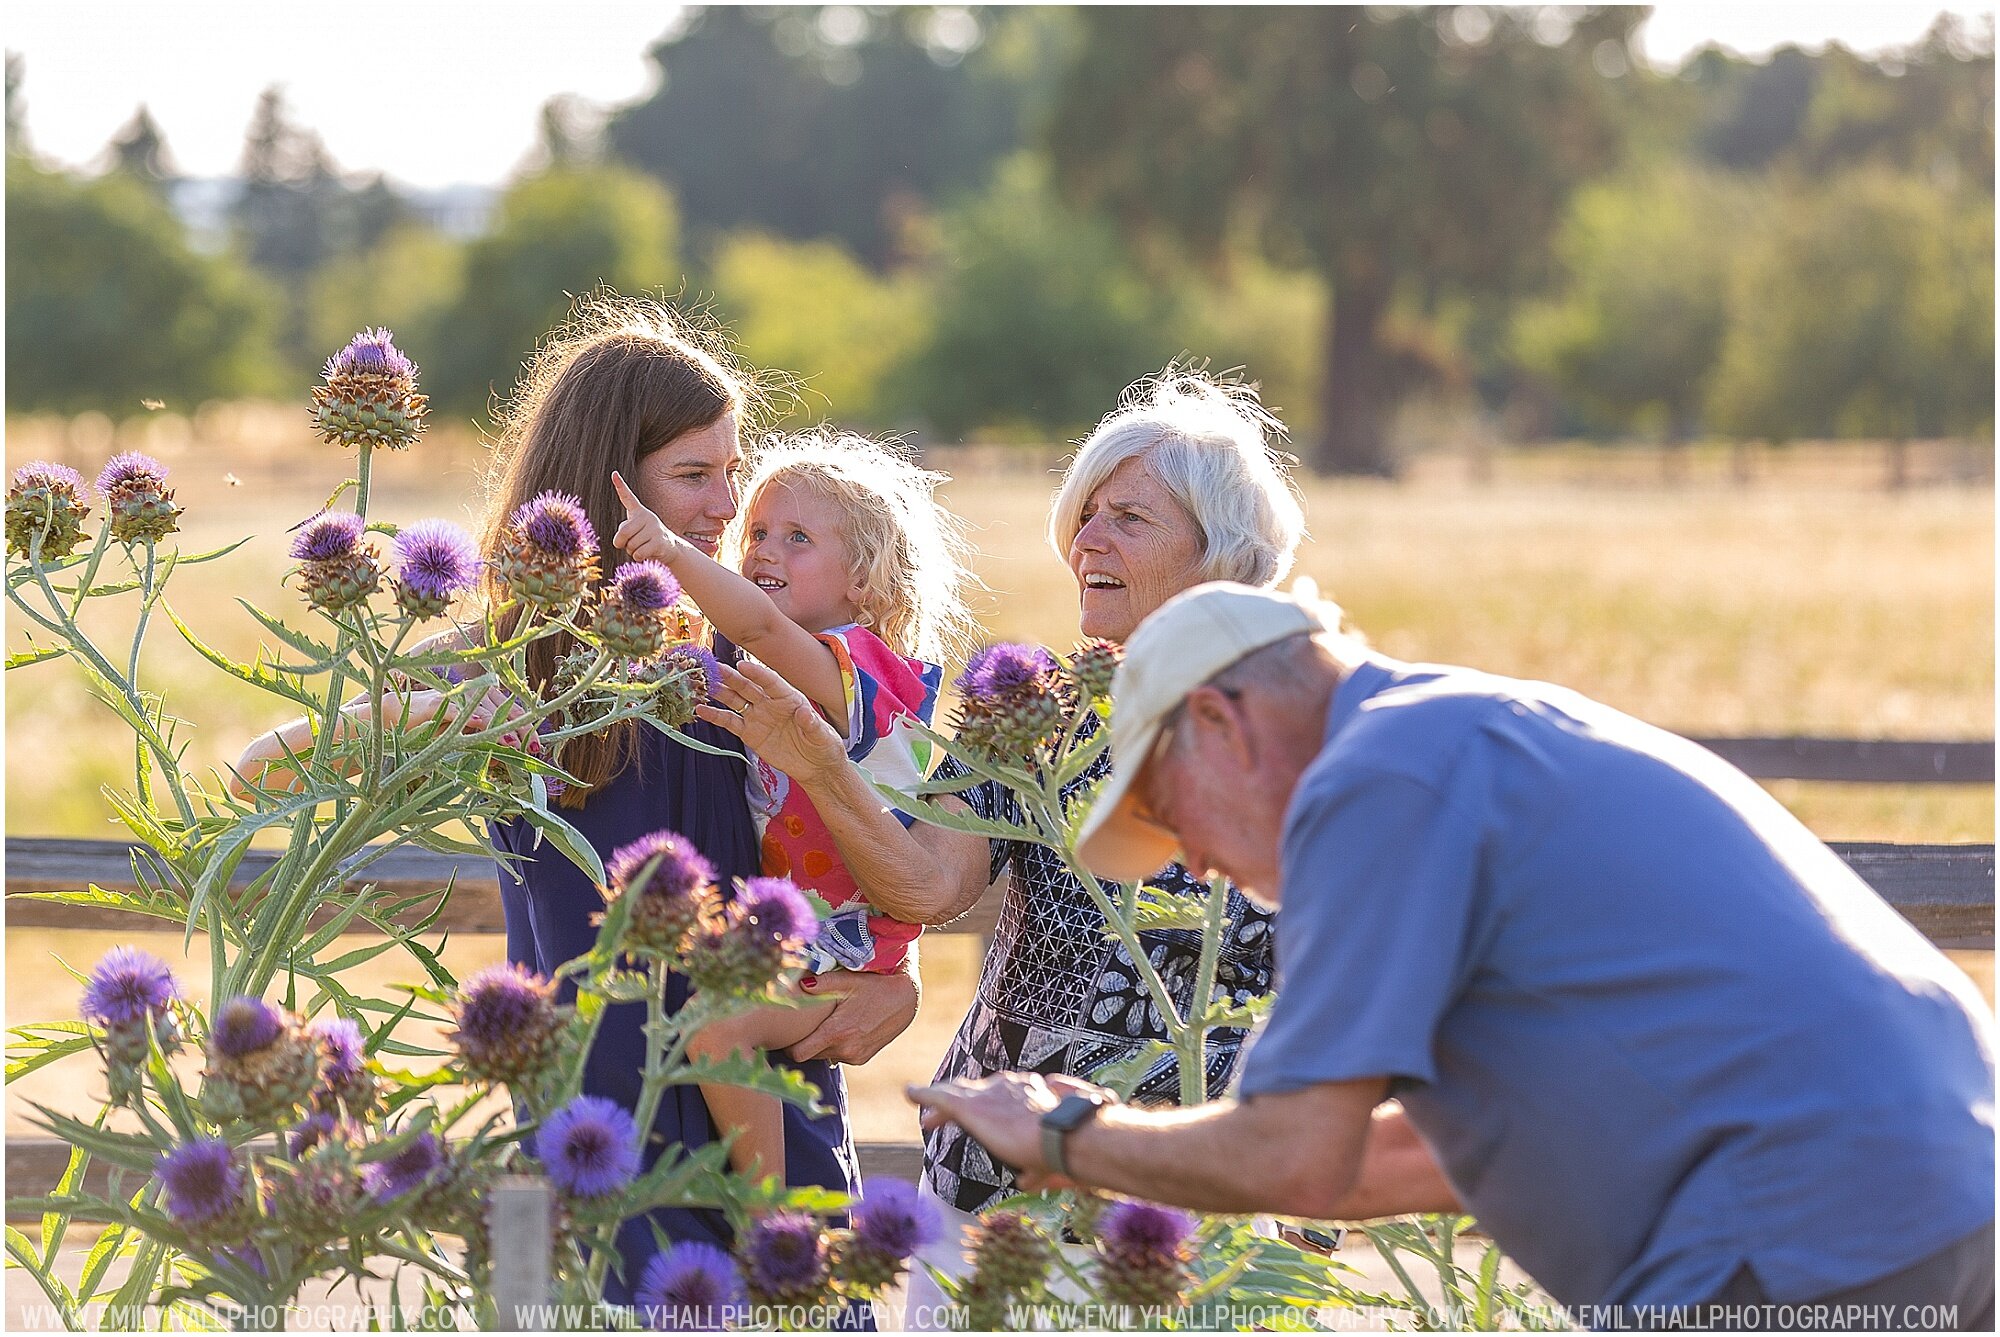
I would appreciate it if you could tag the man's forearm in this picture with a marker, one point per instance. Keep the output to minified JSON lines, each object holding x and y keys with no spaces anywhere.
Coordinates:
{"x":1398,"y":1175}
{"x":1227,"y":1156}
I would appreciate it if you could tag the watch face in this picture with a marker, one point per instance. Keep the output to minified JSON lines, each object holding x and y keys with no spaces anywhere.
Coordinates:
{"x":1072,"y":1111}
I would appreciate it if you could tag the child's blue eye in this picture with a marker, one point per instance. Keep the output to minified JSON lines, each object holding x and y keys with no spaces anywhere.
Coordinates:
{"x":799,"y":536}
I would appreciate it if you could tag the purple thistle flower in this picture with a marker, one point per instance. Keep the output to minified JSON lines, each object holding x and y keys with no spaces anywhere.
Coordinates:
{"x":312,"y":1130}
{"x":893,"y":1219}
{"x":555,"y":523}
{"x":46,"y":473}
{"x":326,"y":536}
{"x":436,"y":559}
{"x":499,"y":1005}
{"x":1145,"y":1230}
{"x":784,"y":1255}
{"x":126,"y":985}
{"x":344,"y":1050}
{"x":646,"y":585}
{"x":590,"y":1147}
{"x":681,"y":872}
{"x":1000,"y":670}
{"x":692,"y":1287}
{"x":774,"y":905}
{"x":245,"y":1025}
{"x":408,"y":1169}
{"x":370,"y":353}
{"x":132,"y":467}
{"x":702,"y":658}
{"x":202,"y":1179}
{"x":244,"y":1255}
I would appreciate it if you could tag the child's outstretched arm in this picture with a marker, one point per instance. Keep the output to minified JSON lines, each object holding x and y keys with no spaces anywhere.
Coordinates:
{"x":736,"y":607}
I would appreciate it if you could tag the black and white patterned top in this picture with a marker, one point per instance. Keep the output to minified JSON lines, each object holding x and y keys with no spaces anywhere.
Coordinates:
{"x":1057,"y":995}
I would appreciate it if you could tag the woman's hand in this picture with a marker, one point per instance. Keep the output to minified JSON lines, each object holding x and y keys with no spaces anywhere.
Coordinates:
{"x":868,"y":1012}
{"x":776,"y":721}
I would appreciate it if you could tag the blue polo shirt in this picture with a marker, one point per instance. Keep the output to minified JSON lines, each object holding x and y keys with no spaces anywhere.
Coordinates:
{"x":1651,"y":1026}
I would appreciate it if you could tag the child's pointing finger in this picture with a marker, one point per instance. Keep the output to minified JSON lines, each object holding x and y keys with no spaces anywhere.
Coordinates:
{"x":633,"y":506}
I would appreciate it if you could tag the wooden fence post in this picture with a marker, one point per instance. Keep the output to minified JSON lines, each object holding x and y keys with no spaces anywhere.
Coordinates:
{"x":520,"y":1224}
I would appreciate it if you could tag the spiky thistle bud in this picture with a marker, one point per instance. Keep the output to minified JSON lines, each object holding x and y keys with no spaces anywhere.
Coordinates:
{"x":1012,"y":700}
{"x":336,"y":571}
{"x":312,"y":1195}
{"x":1092,"y":666}
{"x":262,"y":1064}
{"x":784,"y":1257}
{"x":630,"y":618}
{"x":890,"y":1223}
{"x":755,"y":941}
{"x":412,"y":1166}
{"x":548,"y":553}
{"x":209,"y":1191}
{"x":345,"y":1082}
{"x":670,"y":887}
{"x":48,"y":500}
{"x":1010,"y":1263}
{"x":509,"y":1028}
{"x":130,"y":995}
{"x":141,"y":505}
{"x":1143,"y":1254}
{"x":370,"y":396}
{"x":436,"y":560}
{"x":685,"y":676}
{"x":691,"y":1287}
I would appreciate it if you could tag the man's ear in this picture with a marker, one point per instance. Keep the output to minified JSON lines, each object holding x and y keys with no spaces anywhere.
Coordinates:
{"x":1214,"y":712}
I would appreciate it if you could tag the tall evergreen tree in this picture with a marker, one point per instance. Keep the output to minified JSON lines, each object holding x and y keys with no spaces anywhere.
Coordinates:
{"x":140,"y":151}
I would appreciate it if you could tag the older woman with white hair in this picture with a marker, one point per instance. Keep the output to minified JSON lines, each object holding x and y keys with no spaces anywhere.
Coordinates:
{"x":1180,"y":485}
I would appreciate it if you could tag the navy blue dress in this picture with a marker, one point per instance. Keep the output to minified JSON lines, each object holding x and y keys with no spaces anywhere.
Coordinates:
{"x":548,"y":912}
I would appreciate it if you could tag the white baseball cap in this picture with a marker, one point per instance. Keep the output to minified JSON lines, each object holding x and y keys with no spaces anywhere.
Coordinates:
{"x":1181,"y":645}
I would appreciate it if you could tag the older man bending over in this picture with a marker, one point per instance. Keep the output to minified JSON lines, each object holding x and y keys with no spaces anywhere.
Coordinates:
{"x":1658,"y":1038}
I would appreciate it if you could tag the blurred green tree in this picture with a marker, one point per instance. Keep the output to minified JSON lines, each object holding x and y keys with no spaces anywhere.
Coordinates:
{"x":287,"y":216}
{"x":140,"y":151}
{"x":1263,"y":321}
{"x":811,"y":310}
{"x":1865,"y":309}
{"x":1634,"y":334}
{"x":1383,"y":149}
{"x":407,"y":281}
{"x":1927,"y":107}
{"x":17,"y":126}
{"x":553,"y":237}
{"x":1038,"y":319}
{"x":107,"y":305}
{"x":813,"y":121}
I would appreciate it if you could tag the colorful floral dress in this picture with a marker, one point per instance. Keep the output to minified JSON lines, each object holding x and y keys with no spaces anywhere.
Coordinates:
{"x":885,"y":693}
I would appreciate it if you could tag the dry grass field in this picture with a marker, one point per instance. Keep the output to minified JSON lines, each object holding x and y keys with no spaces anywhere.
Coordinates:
{"x":1806,"y":601}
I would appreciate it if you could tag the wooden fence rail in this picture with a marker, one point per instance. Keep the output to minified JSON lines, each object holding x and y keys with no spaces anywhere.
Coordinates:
{"x":1858,"y":760}
{"x":1945,"y":890}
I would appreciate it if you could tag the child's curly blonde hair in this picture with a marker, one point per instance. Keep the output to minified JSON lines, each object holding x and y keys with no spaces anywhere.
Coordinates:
{"x":905,"y":551}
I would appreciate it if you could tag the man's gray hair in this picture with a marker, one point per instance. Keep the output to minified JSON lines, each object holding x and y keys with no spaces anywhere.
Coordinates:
{"x":1279,"y":669}
{"x":1210,"y":444}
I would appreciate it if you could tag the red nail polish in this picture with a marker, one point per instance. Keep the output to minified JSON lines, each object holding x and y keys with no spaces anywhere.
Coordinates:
{"x":809,"y":982}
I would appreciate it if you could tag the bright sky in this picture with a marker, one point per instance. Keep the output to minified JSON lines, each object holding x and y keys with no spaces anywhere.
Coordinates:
{"x":442,"y":91}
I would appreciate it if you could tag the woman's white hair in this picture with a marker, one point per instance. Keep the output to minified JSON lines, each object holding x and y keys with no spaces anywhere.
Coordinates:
{"x":1210,"y":443}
